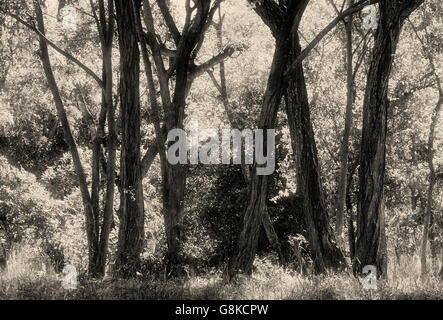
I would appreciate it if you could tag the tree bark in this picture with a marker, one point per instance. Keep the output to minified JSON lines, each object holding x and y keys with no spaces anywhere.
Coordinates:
{"x":324,"y":250}
{"x":341,"y":192}
{"x":131,"y":229}
{"x":237,"y":124}
{"x":108,"y":105}
{"x":370,"y":219}
{"x":253,"y":217}
{"x":182,"y":65}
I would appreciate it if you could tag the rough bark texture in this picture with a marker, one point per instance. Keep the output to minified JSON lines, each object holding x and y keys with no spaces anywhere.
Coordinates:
{"x":282,"y":28}
{"x":370,"y":220}
{"x":131,"y":230}
{"x":236,"y":123}
{"x":106,"y":39}
{"x":324,"y":250}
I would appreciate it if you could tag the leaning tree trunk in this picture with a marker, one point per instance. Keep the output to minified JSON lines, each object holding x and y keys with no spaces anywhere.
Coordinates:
{"x":324,"y":250}
{"x":131,"y":230}
{"x":253,"y":217}
{"x":90,"y":215}
{"x":370,"y":220}
{"x":237,"y":124}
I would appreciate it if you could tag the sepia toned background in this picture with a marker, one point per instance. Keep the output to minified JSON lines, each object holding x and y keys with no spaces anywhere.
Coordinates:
{"x":90,"y":208}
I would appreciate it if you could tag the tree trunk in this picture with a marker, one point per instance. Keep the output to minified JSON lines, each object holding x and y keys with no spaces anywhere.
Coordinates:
{"x":351,"y":230}
{"x":341,"y":193}
{"x":188,"y":43}
{"x":324,"y":250}
{"x":131,"y":230}
{"x":92,"y":236}
{"x":370,"y":220}
{"x":107,"y":100}
{"x":430,"y":158}
{"x":441,"y":265}
{"x":428,"y":213}
{"x":253,"y":217}
{"x":237,"y":124}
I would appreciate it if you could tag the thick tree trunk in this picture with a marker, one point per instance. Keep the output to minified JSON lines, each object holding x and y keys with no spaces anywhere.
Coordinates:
{"x":324,"y":250}
{"x":131,"y":230}
{"x":370,"y":220}
{"x":253,"y":217}
{"x":174,"y":189}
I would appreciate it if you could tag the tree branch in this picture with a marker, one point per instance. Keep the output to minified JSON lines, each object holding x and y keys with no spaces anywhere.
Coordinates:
{"x":351,"y":10}
{"x":57,"y":48}
{"x":169,"y":21}
{"x":270,"y":13}
{"x":204,"y":67}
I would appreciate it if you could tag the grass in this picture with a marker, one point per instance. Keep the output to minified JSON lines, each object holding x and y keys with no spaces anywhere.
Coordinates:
{"x":25,"y":279}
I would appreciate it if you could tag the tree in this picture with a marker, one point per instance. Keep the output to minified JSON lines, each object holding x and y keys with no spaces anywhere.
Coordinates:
{"x":286,"y":77}
{"x":178,"y":79}
{"x":430,"y":147}
{"x":370,"y":241}
{"x":281,"y":20}
{"x":97,"y":234}
{"x":131,"y":228}
{"x":238,"y":123}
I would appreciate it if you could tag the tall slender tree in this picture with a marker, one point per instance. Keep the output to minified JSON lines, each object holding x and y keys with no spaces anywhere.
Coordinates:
{"x":131,"y":227}
{"x":430,"y":147}
{"x":97,"y":233}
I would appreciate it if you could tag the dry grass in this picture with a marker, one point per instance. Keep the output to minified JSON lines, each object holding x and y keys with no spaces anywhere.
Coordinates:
{"x":27,"y":277}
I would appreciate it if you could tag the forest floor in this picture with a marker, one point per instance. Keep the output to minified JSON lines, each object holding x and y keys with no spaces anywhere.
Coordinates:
{"x":268,"y":282}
